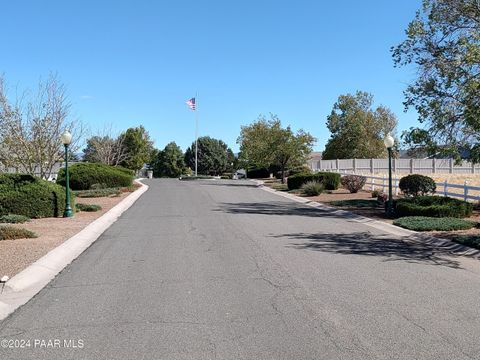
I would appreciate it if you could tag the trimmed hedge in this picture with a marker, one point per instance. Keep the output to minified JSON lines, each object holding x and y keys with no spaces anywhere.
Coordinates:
{"x":417,"y":185}
{"x":330,"y":180}
{"x":422,"y":223}
{"x":98,"y":193}
{"x":84,"y":175}
{"x":31,"y":196}
{"x":432,"y":206}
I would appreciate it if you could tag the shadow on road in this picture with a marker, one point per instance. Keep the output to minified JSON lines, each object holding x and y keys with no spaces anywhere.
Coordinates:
{"x":275,"y":208}
{"x":235,"y":183}
{"x":364,"y":243}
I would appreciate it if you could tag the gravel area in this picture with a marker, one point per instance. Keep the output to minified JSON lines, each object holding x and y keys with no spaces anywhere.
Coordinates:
{"x":16,"y":255}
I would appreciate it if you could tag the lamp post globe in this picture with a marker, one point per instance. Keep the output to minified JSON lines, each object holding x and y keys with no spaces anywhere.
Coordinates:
{"x":389,"y":142}
{"x":66,"y":139}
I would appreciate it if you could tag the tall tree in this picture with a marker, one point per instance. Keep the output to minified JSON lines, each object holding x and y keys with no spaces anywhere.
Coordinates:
{"x":105,"y":148}
{"x":357,"y":131}
{"x":31,"y":125}
{"x":443,"y":42}
{"x":138,"y":148}
{"x":214,"y":156}
{"x":169,"y":162}
{"x":265,"y":143}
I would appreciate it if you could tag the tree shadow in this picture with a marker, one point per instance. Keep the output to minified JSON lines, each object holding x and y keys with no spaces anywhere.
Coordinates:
{"x":367,"y":244}
{"x":234,"y":183}
{"x":279,"y":208}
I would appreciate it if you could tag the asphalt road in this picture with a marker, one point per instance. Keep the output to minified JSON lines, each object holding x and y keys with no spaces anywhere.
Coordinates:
{"x":224,"y":270}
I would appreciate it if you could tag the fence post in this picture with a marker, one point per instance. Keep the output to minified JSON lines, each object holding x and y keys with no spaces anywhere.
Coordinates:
{"x":373,"y":184}
{"x":473,"y":168}
{"x":451,"y":166}
{"x":394,"y":161}
{"x":465,"y":190}
{"x":434,"y":165}
{"x":445,"y":185}
{"x":396,"y":185}
{"x":411,"y":166}
{"x":372,"y":170}
{"x":383,"y":184}
{"x":337,"y":165}
{"x":354,"y":165}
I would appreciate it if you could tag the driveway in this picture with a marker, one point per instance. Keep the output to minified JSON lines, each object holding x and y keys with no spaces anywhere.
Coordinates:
{"x":225,"y":270}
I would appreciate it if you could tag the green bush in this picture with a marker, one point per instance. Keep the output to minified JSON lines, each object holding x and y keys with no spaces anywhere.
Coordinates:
{"x":312,"y":188}
{"x":85,"y":175}
{"x":12,"y":233}
{"x":353,"y":183}
{"x":330,"y":181}
{"x":14,"y":219}
{"x":31,"y":196}
{"x":417,"y":185}
{"x":432,"y":206}
{"x":422,"y":223}
{"x":88,"y":207}
{"x":468,"y":240}
{"x":258,"y":173}
{"x":97,"y":193}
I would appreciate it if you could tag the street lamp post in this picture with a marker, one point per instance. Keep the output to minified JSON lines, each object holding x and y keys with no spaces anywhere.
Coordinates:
{"x":389,"y":141}
{"x":66,"y":140}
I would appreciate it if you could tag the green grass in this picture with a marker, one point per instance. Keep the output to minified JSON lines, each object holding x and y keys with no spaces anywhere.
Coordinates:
{"x":12,"y":233}
{"x":88,"y":207}
{"x":358,"y":203}
{"x":14,"y":219}
{"x":468,"y":240}
{"x":422,"y":223}
{"x":279,"y":187}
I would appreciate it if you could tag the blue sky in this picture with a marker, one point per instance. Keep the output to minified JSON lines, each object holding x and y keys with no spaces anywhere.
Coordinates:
{"x":128,"y":63}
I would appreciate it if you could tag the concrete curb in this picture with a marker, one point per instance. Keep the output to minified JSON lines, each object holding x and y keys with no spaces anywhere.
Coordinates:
{"x":26,"y":284}
{"x":415,"y":236}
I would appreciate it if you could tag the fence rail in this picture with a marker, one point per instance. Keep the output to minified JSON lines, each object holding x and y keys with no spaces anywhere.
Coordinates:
{"x":381,"y":183}
{"x":403,"y":166}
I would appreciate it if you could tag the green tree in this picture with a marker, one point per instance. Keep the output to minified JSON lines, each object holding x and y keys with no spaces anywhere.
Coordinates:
{"x":443,"y":42}
{"x":214,"y":156}
{"x":169,"y":162}
{"x":357,"y":131}
{"x":138,"y":148}
{"x":266,"y":144}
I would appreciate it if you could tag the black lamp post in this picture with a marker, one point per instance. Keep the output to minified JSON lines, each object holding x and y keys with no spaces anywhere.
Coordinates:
{"x":389,"y":141}
{"x":66,"y":140}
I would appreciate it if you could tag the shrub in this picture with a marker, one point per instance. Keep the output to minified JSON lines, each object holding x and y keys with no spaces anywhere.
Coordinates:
{"x":88,"y":207}
{"x":468,"y":240}
{"x":84,"y":175}
{"x":353,"y":183}
{"x":330,"y":181}
{"x":97,"y":193}
{"x":312,"y":188}
{"x":14,"y":219}
{"x":417,"y":185}
{"x":12,"y":233}
{"x":376,"y":193}
{"x":258,"y":173}
{"x":300,"y":170}
{"x":432,"y":206}
{"x":422,"y":223}
{"x":31,"y":196}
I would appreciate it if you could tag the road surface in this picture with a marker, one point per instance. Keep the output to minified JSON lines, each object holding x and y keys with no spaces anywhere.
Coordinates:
{"x":225,"y":270}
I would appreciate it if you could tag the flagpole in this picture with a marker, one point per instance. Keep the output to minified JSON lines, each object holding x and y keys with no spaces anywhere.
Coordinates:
{"x":196,"y":133}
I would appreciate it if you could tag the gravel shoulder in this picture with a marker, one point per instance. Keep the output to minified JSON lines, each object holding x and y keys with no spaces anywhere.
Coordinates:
{"x":16,"y":255}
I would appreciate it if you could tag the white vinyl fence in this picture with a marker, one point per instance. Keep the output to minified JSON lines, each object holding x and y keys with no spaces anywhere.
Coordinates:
{"x":464,"y":192}
{"x":401,"y":166}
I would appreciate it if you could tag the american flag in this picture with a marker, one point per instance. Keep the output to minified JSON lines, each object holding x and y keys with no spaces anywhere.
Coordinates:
{"x":191,"y":103}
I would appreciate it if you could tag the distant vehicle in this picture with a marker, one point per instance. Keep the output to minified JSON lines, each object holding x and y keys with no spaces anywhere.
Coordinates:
{"x":240,"y":174}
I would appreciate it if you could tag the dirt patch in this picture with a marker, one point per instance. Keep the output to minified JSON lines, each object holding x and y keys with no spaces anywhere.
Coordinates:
{"x":16,"y":255}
